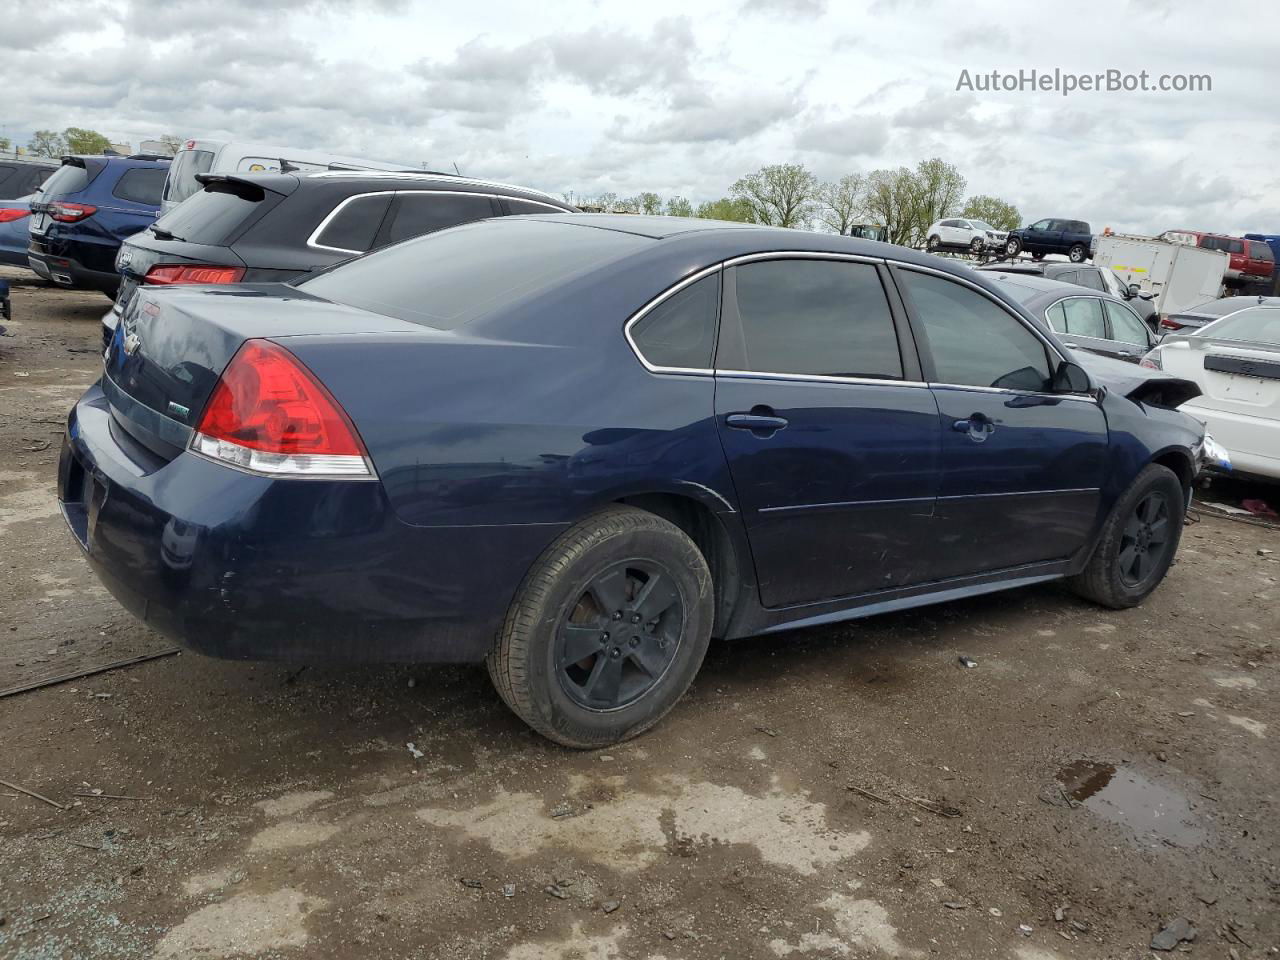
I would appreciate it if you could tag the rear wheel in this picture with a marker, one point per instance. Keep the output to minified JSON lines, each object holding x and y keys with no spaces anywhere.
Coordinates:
{"x":933,"y":243}
{"x":1137,"y":543}
{"x":607,"y":631}
{"x":1013,"y":246}
{"x":975,"y":246}
{"x":1077,"y":253}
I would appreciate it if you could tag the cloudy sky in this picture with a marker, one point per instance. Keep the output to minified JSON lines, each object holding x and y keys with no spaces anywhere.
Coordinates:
{"x":682,"y":98}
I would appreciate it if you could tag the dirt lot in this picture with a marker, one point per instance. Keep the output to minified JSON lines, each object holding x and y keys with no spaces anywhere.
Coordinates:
{"x":843,"y":792}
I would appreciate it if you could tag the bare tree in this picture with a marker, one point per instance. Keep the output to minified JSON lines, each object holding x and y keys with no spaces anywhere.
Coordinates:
{"x":890,"y":199}
{"x":47,"y":143}
{"x":781,"y":195}
{"x":841,"y":203}
{"x":938,"y":189}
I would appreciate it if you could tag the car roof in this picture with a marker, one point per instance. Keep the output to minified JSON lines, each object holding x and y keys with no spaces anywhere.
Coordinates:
{"x":1224,"y":305}
{"x":445,"y":180}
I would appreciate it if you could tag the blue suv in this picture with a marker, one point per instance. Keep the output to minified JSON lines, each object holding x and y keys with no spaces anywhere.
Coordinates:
{"x":82,"y":214}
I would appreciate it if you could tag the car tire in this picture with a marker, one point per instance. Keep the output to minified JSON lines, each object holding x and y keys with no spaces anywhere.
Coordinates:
{"x":975,"y":246}
{"x":933,"y":243}
{"x":606,"y":560}
{"x":1077,"y":253}
{"x":1013,"y":246}
{"x":1156,"y":500}
{"x":1037,"y":257}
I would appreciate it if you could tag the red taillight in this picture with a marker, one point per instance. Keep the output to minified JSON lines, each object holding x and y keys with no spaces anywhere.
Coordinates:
{"x":65,"y":212}
{"x":268,"y":413}
{"x":163,"y":274}
{"x":1169,"y":324}
{"x":9,"y":215}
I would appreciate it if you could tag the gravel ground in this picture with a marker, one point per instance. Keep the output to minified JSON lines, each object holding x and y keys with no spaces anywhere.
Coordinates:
{"x":850,"y":791}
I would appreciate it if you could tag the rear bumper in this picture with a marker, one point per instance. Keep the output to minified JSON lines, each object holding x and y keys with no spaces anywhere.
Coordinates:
{"x":1242,"y":436}
{"x":246,"y":567}
{"x":61,"y":265}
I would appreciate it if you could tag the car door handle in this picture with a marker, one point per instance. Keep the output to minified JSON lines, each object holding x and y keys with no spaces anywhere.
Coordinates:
{"x":1072,"y":346}
{"x":978,"y":426}
{"x":757,"y":423}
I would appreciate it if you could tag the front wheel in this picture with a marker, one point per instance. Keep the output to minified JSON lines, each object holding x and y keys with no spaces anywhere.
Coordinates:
{"x":975,"y":246}
{"x":1013,"y":246}
{"x":1077,"y":253}
{"x":1137,"y":543}
{"x":607,"y":631}
{"x":933,"y":243}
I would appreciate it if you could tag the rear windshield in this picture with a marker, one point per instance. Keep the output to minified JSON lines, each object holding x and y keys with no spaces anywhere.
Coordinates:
{"x":1260,"y":251}
{"x":68,"y":179}
{"x":450,"y":278}
{"x":213,"y":215}
{"x":181,"y":181}
{"x":1217,"y":308}
{"x":1256,"y":324}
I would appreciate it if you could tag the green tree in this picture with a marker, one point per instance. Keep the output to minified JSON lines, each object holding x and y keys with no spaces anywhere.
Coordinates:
{"x":650,"y":203}
{"x":172,"y":143}
{"x":890,"y":195}
{"x":80,"y":140}
{"x":679,"y":207}
{"x":780,"y":195}
{"x":47,"y":143}
{"x":938,"y":188}
{"x":726,"y":208}
{"x":999,"y":213}
{"x":4,"y":144}
{"x":840,"y":204}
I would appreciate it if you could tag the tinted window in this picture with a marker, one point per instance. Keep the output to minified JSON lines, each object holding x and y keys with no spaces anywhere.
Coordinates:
{"x":181,"y":181}
{"x":1078,"y":226}
{"x":213,"y":214}
{"x":819,"y":317}
{"x":1040,"y":225}
{"x":448,"y":279}
{"x":1083,"y":317}
{"x":417,"y":213}
{"x":1057,"y":319}
{"x":6,"y":174}
{"x":972,"y":340}
{"x":1067,"y":276}
{"x":1125,"y":326}
{"x":355,"y":224}
{"x":681,"y":331}
{"x":141,"y":185}
{"x":1090,"y":279}
{"x":1260,"y":251}
{"x":529,"y":206}
{"x":67,"y":179}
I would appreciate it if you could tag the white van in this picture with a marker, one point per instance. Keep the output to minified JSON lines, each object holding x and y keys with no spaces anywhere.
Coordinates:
{"x":220,"y":156}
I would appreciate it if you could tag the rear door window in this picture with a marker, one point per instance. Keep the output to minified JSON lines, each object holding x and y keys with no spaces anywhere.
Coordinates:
{"x":141,"y":185}
{"x":680,"y":332}
{"x":1260,"y":251}
{"x":1090,"y":279}
{"x":972,"y":340}
{"x":1083,"y":317}
{"x":530,"y":206}
{"x":354,"y":224}
{"x":415,"y":214}
{"x":812,"y":317}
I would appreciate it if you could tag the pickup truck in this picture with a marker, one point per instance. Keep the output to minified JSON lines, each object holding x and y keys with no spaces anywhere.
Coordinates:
{"x":1070,"y":237}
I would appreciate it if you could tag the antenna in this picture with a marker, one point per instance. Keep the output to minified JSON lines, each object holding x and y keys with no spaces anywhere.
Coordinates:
{"x":455,"y":168}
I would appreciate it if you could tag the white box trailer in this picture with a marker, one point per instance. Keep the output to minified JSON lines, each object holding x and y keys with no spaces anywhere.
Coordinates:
{"x":1179,"y":275}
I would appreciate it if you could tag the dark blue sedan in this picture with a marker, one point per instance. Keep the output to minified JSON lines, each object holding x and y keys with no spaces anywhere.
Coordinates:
{"x":578,"y":447}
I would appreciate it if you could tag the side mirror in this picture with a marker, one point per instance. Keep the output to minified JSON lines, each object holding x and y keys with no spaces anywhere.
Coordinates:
{"x":1134,"y":290}
{"x":1070,"y":377}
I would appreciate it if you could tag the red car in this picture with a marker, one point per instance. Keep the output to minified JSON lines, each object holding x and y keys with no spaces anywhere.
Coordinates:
{"x":1250,"y":259}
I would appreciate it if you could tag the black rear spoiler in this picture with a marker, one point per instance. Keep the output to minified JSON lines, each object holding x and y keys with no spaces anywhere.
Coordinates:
{"x":251,"y":184}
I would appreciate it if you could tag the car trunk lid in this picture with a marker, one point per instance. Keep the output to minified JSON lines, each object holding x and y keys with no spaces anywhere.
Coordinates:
{"x":173,"y":343}
{"x":1236,"y":377}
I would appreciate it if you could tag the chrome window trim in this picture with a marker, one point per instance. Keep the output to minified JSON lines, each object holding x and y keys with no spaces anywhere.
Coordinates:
{"x":658,"y":301}
{"x":312,"y":242}
{"x":541,"y":203}
{"x":815,"y":378}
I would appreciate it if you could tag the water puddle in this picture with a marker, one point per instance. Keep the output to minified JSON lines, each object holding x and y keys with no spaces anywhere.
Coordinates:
{"x":1124,"y":796}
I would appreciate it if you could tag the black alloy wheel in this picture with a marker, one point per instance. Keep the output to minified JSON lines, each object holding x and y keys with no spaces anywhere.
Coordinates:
{"x":1145,"y":540}
{"x":621,"y":636}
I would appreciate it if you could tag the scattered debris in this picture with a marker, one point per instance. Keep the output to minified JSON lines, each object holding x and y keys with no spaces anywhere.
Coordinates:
{"x":610,"y":905}
{"x":1186,"y":713}
{"x":87,"y":846}
{"x":1162,"y":756}
{"x":92,"y":671}
{"x":1080,"y":926}
{"x":561,"y":810}
{"x":767,"y":732}
{"x":32,"y":793}
{"x":955,"y":905}
{"x":1260,"y":508}
{"x":1264,"y":552}
{"x":508,"y":890}
{"x":995,"y":911}
{"x":417,"y":754}
{"x":471,"y":883}
{"x":1060,"y":913}
{"x":1025,"y":930}
{"x":555,"y":890}
{"x":110,"y":796}
{"x":1175,"y":933}
{"x":866,"y":793}
{"x":935,"y":808}
{"x":967,"y":661}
